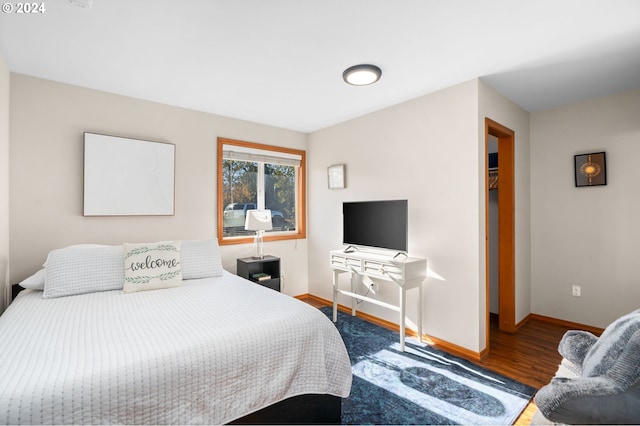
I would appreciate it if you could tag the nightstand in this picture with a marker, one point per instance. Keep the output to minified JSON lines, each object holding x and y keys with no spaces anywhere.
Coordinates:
{"x":269,"y":266}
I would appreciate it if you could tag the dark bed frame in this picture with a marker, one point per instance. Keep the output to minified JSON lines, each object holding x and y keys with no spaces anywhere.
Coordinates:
{"x":302,"y":409}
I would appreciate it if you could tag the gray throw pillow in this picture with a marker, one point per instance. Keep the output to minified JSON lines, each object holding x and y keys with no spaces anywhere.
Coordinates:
{"x":575,"y":345}
{"x":605,"y":352}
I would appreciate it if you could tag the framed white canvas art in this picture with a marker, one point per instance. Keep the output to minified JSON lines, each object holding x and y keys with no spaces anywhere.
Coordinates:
{"x":128,"y":177}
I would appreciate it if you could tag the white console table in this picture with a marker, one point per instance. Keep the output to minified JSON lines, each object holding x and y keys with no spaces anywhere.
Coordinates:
{"x":406,"y":272}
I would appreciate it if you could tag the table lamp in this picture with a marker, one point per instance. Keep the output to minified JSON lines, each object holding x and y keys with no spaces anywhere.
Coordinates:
{"x":259,"y":221}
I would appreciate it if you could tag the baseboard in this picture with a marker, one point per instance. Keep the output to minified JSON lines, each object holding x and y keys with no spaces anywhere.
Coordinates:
{"x":303,"y":296}
{"x":433,"y":341}
{"x":572,"y":325}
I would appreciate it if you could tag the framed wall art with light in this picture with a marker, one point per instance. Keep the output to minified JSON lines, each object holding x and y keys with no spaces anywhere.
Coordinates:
{"x":590,"y":169}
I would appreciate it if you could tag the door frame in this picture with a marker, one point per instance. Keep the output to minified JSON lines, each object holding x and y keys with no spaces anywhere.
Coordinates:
{"x":506,"y":225}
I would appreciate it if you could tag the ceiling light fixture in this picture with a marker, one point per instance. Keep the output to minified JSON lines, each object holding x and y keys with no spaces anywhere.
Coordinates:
{"x":362,"y":75}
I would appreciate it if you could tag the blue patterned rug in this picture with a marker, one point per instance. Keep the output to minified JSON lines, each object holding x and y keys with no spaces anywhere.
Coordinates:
{"x":423,"y":385}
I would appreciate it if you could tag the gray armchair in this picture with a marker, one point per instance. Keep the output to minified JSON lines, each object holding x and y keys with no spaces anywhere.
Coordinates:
{"x":607,"y":388}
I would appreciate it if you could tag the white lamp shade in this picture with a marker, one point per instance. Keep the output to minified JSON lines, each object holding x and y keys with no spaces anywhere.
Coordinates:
{"x":258,"y":220}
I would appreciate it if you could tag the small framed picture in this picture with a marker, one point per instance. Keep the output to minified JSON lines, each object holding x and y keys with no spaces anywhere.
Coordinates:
{"x":335,"y":174}
{"x":590,"y":169}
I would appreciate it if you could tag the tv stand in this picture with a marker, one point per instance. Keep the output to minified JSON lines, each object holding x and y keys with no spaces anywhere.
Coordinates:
{"x":406,"y":272}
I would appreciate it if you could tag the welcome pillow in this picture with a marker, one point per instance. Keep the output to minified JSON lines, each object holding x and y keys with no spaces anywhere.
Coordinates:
{"x":152,"y":266}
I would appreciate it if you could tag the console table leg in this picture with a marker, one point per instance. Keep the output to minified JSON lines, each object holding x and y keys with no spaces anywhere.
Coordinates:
{"x":403,"y":299}
{"x":420,"y":312}
{"x":335,"y":295}
{"x":355,"y":280}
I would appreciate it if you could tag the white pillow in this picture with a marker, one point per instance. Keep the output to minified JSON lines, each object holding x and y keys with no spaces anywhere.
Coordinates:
{"x":35,"y":281}
{"x":152,"y":266}
{"x":44,"y":265}
{"x":200,"y":259}
{"x":83,"y":269}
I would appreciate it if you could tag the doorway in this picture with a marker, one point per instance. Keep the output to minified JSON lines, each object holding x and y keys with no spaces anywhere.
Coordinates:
{"x":506,"y":226}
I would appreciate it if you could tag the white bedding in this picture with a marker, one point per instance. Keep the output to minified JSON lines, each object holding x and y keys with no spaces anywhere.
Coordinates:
{"x":209,"y":352}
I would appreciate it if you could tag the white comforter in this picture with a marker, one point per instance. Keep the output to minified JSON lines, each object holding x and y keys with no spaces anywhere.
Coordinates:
{"x":209,"y":352}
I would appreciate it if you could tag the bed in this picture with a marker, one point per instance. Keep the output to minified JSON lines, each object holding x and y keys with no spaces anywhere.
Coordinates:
{"x":213,"y":350}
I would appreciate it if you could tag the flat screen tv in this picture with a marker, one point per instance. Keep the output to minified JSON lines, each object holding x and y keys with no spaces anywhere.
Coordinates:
{"x":380,"y":224}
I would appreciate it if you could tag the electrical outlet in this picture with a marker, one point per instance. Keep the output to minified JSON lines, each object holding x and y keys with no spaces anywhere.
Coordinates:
{"x":575,"y":290}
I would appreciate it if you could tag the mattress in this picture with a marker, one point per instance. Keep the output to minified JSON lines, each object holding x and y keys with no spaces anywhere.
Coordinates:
{"x":209,"y":352}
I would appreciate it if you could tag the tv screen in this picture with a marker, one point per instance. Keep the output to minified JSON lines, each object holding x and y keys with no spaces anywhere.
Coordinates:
{"x":381,"y":224}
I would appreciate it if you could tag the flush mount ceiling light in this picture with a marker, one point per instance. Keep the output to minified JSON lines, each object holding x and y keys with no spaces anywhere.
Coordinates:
{"x":362,"y":75}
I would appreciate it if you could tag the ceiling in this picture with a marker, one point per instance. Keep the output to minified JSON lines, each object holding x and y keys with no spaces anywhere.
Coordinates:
{"x":280,"y":62}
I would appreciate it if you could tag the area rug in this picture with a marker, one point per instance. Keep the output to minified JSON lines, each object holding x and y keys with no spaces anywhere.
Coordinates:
{"x":422,"y":385}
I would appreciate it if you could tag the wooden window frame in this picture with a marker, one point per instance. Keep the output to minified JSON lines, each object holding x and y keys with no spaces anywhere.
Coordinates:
{"x":301,"y":220}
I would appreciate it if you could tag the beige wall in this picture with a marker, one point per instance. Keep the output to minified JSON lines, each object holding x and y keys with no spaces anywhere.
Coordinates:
{"x":47,"y":124}
{"x":427,"y":151}
{"x":4,"y":183}
{"x":586,"y":236}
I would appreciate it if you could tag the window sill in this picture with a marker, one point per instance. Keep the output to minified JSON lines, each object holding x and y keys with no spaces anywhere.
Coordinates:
{"x":250,"y":239}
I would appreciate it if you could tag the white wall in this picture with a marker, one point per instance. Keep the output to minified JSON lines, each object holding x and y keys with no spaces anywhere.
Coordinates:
{"x":500,"y":109}
{"x":47,"y":124}
{"x":427,"y":151}
{"x":4,"y":182}
{"x":586,"y":236}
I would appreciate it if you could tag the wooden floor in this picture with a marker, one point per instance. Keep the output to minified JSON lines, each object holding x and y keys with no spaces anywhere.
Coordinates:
{"x":529,"y":356}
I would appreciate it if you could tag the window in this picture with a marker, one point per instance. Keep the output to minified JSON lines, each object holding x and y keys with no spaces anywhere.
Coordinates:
{"x":255,"y":176}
